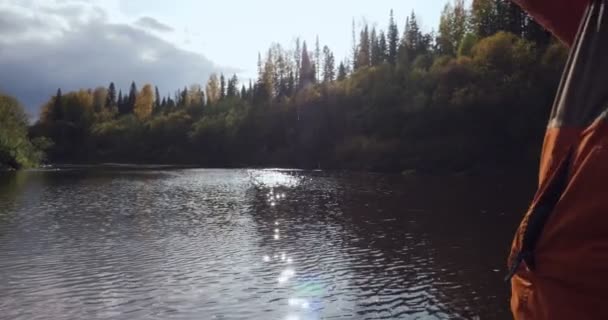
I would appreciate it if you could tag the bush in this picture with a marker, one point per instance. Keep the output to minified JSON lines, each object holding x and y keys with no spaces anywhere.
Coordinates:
{"x":16,"y":150}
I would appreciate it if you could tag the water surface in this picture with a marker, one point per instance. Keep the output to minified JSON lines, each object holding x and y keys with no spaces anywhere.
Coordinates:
{"x":161,"y":243}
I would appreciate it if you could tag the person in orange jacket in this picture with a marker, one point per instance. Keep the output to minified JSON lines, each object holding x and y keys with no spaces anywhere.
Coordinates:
{"x":559,"y":257}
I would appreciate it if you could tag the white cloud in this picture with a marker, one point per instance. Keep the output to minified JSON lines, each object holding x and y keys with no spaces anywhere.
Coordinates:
{"x":153,"y":24}
{"x":72,"y":44}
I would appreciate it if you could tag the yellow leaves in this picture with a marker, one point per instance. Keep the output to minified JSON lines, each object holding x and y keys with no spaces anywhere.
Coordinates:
{"x":455,"y":82}
{"x":307,"y":95}
{"x":144,"y":102}
{"x":213,"y":89}
{"x":99,"y":98}
{"x":82,"y":98}
{"x":195,"y":97}
{"x":46,"y":111}
{"x":502,"y":51}
{"x":77,"y":106}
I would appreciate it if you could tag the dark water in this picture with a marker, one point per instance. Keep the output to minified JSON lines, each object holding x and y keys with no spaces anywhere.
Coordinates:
{"x":254,"y":244}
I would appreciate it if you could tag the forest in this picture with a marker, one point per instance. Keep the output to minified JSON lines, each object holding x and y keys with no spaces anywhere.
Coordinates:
{"x":472,"y":95}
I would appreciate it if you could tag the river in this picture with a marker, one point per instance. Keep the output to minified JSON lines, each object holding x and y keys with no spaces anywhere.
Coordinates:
{"x":170,"y":243}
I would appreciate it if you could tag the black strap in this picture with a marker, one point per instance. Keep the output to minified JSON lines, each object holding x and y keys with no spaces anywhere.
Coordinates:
{"x":540,"y":215}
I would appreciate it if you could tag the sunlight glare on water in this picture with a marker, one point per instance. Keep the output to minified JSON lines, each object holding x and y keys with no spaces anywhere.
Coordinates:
{"x":273,"y":178}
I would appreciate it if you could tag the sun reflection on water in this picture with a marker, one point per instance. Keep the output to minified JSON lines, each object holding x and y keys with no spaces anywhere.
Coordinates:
{"x":272,"y":179}
{"x":305,"y":298}
{"x":286,"y":275}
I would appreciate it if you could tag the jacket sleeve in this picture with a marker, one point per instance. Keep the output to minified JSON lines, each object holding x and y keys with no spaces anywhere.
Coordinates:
{"x":561,"y":17}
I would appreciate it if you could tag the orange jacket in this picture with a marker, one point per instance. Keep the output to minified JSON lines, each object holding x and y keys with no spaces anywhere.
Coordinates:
{"x":559,"y":257}
{"x":561,"y":17}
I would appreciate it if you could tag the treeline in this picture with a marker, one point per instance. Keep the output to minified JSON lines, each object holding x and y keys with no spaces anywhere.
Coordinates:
{"x":472,"y":96}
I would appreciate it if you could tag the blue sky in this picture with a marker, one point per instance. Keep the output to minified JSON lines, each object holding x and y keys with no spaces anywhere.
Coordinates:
{"x":231,"y":33}
{"x":75,"y":44}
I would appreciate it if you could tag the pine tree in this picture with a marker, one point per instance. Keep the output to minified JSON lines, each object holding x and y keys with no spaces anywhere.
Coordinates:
{"x":265,"y":86}
{"x":111,"y":97}
{"x":376,"y":52}
{"x":363,"y":59}
{"x":120,"y":104}
{"x":444,"y":39}
{"x":393,"y":39}
{"x":341,"y":72}
{"x":260,"y":66}
{"x":232,"y":90}
{"x":328,"y":65}
{"x":355,"y":49}
{"x":130,"y":105}
{"x":317,"y":59}
{"x":57,"y":113}
{"x":157,"y":102}
{"x":280,"y":69}
{"x":307,"y":71}
{"x":382,"y":46}
{"x":184,"y":98}
{"x":297,"y":56}
{"x":291,"y":83}
{"x":411,"y":35}
{"x":413,"y":42}
{"x":222,"y":86}
{"x":170,"y":103}
{"x":405,"y":51}
{"x":243,"y":92}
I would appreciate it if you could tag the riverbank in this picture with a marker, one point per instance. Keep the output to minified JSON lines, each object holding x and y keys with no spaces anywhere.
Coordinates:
{"x":529,"y":171}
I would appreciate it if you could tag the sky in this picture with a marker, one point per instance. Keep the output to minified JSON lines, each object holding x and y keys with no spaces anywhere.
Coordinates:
{"x":72,"y":44}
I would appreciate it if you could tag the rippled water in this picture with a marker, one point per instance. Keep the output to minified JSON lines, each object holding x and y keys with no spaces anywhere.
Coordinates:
{"x":108,"y":243}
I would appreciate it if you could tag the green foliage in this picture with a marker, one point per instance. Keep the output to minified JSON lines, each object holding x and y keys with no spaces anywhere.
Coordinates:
{"x":504,"y":53}
{"x":466,"y":45}
{"x":554,"y":58}
{"x":445,"y":40}
{"x":117,"y":138}
{"x":16,"y":149}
